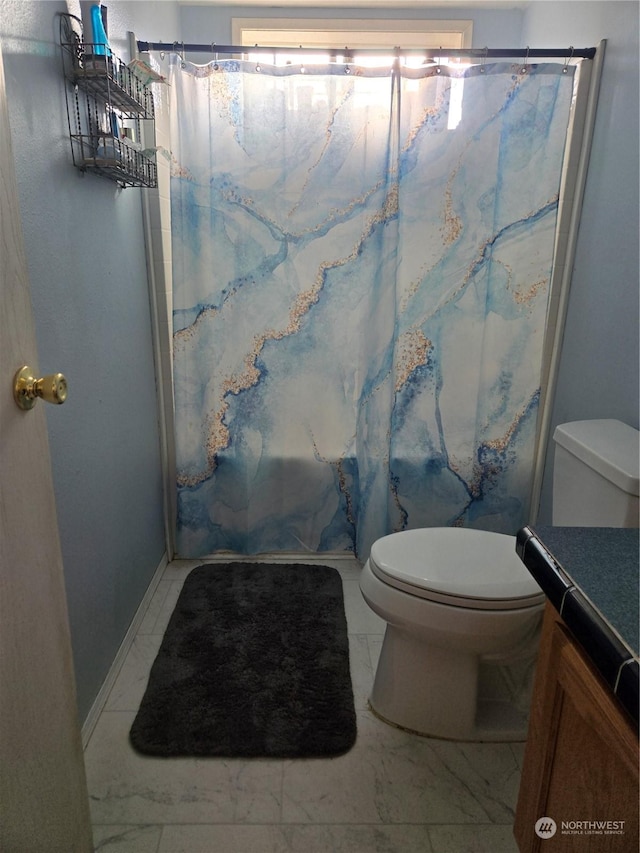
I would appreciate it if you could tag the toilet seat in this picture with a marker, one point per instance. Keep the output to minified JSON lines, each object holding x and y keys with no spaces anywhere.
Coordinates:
{"x":474,"y":569}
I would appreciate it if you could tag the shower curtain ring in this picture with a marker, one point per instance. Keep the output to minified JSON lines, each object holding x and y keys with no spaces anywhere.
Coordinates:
{"x":524,"y":68}
{"x":183,"y":64}
{"x":438,"y":69}
{"x":215,"y":56}
{"x":484,"y":60}
{"x":565,"y":70}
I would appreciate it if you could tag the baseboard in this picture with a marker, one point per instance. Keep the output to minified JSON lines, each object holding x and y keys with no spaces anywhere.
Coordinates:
{"x":273,"y":557}
{"x":103,"y":694}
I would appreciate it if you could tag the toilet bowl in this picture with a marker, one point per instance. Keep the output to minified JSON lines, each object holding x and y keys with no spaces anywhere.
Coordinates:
{"x":454,"y":600}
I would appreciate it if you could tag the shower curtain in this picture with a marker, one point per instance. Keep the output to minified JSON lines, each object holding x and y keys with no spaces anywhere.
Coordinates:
{"x":361,"y":266}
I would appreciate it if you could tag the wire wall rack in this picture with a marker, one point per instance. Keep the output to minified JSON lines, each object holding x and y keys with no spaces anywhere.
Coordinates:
{"x":107,"y":104}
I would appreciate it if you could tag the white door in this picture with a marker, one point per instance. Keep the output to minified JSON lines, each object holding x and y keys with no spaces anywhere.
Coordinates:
{"x":44,"y":805}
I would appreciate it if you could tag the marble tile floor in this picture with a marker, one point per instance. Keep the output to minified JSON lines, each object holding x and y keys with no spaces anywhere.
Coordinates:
{"x":392,"y":793}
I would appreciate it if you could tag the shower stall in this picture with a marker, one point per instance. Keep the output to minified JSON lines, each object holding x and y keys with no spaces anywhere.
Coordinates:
{"x":359,"y":279}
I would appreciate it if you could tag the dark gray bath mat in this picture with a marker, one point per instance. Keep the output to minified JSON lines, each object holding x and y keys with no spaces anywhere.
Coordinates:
{"x":254,"y":662}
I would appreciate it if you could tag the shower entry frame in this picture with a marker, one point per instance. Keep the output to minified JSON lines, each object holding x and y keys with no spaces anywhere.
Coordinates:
{"x":156,"y":219}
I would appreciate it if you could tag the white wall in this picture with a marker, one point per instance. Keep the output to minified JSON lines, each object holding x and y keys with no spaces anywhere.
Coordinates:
{"x":598,"y":376}
{"x":87,"y":268}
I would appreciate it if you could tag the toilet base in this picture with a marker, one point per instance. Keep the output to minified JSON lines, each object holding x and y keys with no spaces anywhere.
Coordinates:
{"x":498,"y":722}
{"x":442,"y":693}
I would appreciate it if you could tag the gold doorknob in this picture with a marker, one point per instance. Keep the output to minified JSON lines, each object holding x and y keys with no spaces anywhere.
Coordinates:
{"x":27,"y":389}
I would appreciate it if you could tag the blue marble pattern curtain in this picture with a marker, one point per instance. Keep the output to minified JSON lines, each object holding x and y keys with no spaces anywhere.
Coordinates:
{"x":361,"y":270}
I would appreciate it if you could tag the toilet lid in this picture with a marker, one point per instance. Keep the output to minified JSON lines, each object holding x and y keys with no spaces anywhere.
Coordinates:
{"x":456,"y":566}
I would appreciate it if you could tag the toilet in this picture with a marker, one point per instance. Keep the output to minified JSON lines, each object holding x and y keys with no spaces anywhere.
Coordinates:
{"x":463,"y":614}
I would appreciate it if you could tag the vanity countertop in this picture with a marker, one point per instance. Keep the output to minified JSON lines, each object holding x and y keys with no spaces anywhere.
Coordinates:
{"x":591,"y":576}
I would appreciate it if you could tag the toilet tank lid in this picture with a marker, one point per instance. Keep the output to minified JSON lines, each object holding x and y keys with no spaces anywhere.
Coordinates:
{"x":609,"y":447}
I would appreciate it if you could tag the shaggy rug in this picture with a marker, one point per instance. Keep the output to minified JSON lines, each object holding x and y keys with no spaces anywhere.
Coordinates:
{"x":254,"y":662}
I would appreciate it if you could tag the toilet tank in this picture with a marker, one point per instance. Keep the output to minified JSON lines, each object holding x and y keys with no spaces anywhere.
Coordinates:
{"x":596,"y":474}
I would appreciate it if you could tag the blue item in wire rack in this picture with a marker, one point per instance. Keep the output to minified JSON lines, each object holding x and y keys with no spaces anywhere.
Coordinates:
{"x":100,"y":40}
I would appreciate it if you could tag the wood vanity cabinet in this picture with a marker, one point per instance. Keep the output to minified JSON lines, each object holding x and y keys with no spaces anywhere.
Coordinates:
{"x":581,"y":758}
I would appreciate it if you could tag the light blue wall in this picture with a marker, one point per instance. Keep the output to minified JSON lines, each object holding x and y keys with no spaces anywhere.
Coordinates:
{"x":86,"y":261}
{"x":493,"y":27}
{"x":598,"y":375}
{"x":87,"y":268}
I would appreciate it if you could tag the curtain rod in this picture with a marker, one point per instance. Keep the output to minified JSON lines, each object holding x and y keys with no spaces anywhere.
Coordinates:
{"x":476,"y":53}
